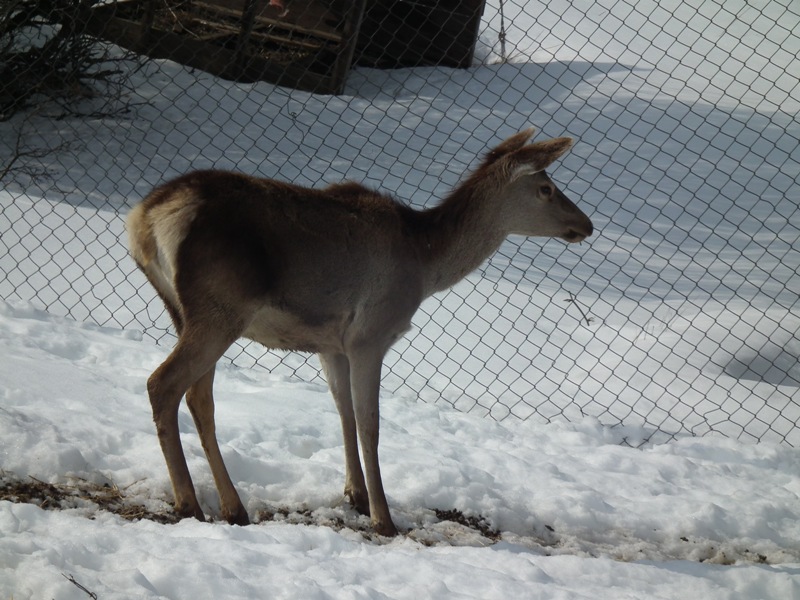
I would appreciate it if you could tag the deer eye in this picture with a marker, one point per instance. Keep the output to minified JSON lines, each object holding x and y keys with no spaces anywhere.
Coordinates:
{"x":546,"y":191}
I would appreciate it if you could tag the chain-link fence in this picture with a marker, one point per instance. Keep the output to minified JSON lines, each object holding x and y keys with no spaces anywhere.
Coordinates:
{"x":680,"y":316}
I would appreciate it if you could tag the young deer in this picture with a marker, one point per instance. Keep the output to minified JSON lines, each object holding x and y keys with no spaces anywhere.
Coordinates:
{"x":338,"y":271}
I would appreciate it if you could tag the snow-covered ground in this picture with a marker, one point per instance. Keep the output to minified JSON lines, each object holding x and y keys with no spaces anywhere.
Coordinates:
{"x":687,"y":161}
{"x":581,"y":515}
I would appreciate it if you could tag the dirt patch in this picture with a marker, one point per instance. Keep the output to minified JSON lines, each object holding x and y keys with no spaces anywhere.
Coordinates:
{"x":78,"y":493}
{"x":438,"y":527}
{"x":473,"y":530}
{"x":82,"y":494}
{"x":478,"y":523}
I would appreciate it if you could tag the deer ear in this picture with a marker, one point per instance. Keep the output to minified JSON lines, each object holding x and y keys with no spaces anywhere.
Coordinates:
{"x":539,"y":155}
{"x":512,"y":144}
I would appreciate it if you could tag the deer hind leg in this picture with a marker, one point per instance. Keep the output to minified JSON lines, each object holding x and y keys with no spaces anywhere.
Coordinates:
{"x":337,"y":372}
{"x":365,"y":379}
{"x":196,"y":352}
{"x":200,"y":400}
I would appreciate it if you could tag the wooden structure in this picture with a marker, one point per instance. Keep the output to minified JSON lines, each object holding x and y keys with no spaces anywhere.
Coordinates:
{"x":242,"y":40}
{"x":404,"y":33}
{"x":305,"y":44}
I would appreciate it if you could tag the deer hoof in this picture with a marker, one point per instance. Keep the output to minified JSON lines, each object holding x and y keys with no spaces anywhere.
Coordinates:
{"x":187,"y":511}
{"x":237,"y":517}
{"x":384,"y":528}
{"x":359,"y":501}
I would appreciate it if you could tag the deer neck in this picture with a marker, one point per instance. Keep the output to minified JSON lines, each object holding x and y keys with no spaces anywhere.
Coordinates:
{"x":458,"y":235}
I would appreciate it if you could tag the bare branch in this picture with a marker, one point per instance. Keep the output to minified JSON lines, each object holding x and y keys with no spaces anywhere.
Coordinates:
{"x":71,"y":579}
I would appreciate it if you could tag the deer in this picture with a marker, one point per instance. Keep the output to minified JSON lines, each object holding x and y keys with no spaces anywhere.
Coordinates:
{"x":338,"y":271}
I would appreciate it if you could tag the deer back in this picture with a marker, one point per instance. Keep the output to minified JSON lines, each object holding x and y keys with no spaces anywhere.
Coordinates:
{"x":306,"y":269}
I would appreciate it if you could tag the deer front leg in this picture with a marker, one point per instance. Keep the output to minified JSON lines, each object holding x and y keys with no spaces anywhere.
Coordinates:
{"x":337,"y":373}
{"x":200,"y":399}
{"x":365,"y":379}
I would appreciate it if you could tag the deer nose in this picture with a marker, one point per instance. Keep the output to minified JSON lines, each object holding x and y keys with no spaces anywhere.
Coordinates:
{"x":580,"y":232}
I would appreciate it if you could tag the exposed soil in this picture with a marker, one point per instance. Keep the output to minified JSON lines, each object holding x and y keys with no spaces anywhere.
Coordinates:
{"x":80,"y":493}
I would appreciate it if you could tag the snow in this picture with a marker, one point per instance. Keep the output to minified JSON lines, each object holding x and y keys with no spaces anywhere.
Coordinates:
{"x":581,"y":514}
{"x":677,"y":319}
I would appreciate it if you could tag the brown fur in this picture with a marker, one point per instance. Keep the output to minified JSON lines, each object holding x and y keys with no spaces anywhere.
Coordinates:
{"x":338,"y":271}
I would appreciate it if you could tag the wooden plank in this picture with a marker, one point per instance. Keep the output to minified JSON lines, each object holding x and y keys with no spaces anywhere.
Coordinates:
{"x":352,"y":26}
{"x":248,"y":17}
{"x":311,"y":23}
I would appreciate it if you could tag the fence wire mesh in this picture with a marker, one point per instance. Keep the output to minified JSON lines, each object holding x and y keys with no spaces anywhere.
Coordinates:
{"x":679,"y":317}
